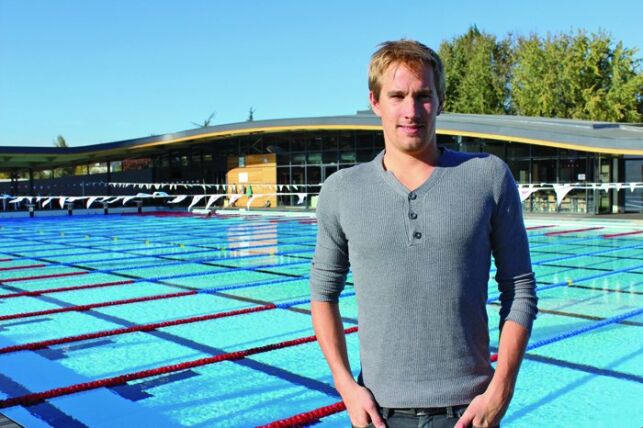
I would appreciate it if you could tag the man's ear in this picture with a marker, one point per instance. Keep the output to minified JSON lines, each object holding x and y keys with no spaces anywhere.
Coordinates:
{"x":375,"y":105}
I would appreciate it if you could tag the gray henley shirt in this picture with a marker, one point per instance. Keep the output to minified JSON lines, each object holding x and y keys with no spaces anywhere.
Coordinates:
{"x":421,"y":261}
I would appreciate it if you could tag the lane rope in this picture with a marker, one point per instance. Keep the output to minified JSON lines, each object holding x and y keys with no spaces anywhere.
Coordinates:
{"x":312,"y":416}
{"x":32,"y":346}
{"x":59,"y":290}
{"x":38,"y":397}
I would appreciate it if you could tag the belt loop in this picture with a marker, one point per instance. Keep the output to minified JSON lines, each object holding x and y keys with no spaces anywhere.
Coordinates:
{"x":450,"y":412}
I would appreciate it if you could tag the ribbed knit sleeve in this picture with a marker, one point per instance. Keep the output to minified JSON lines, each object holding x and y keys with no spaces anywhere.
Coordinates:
{"x":510,"y":247}
{"x":330,"y":263}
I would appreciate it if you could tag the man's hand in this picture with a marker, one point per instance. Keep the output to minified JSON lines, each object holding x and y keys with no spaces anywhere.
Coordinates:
{"x":361,"y":406}
{"x":485,"y":410}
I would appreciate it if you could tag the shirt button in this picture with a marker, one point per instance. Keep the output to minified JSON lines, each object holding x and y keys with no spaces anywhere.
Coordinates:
{"x":413,"y":196}
{"x":413,"y":216}
{"x":417,"y":235}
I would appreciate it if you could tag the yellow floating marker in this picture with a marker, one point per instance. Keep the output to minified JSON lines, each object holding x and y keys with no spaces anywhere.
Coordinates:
{"x":181,"y":245}
{"x":86,"y":236}
{"x":147,"y":242}
{"x":569,"y":282}
{"x":62,"y":233}
{"x":115,"y":238}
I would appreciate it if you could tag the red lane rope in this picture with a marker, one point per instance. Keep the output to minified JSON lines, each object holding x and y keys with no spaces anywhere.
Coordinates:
{"x":55,"y":275}
{"x":540,"y":227}
{"x":80,"y":308}
{"x":21,"y":267}
{"x":614,"y":235}
{"x":143,"y":327}
{"x":37,"y":397}
{"x":304,"y":419}
{"x":562,"y":232}
{"x":58,"y":290}
{"x":5,"y":260}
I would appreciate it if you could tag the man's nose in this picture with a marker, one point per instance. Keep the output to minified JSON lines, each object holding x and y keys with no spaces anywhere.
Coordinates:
{"x":412,"y":107}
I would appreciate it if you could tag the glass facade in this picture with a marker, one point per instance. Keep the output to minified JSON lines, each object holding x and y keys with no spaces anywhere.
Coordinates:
{"x":305,"y":159}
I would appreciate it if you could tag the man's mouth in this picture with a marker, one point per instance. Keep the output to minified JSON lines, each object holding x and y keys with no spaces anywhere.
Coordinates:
{"x":411,"y":128}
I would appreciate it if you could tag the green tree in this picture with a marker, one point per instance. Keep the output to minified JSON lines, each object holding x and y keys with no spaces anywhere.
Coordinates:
{"x":477,"y":73}
{"x":576,"y":76}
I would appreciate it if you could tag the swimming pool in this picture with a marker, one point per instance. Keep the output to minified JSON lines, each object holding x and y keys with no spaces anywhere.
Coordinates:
{"x":183,"y":321}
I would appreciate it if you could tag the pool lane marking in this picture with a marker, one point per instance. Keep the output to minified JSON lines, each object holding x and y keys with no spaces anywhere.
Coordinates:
{"x":38,"y":397}
{"x":22,"y":267}
{"x":237,"y":247}
{"x":213,"y":290}
{"x":580,"y":316}
{"x":32,"y":346}
{"x":592,"y":253}
{"x":614,"y":235}
{"x":572,"y":281}
{"x":30,"y":278}
{"x":220,"y":233}
{"x":5,"y":260}
{"x":564,"y":232}
{"x":307,"y":418}
{"x":540,"y":227}
{"x":59,"y":290}
{"x":248,"y":363}
{"x":46,"y":411}
{"x":593,"y":326}
{"x":314,"y":415}
{"x":80,"y":308}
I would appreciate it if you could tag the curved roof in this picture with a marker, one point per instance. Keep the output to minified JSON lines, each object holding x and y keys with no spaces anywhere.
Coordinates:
{"x":596,"y":137}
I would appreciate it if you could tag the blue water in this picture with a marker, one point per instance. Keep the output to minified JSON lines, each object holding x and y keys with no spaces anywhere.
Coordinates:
{"x":591,"y":379}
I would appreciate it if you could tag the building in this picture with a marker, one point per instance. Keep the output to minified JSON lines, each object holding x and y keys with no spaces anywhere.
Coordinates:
{"x":592,"y":167}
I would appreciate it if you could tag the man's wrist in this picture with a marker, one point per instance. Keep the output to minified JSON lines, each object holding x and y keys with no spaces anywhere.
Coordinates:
{"x":344,"y":383}
{"x":501,"y":388}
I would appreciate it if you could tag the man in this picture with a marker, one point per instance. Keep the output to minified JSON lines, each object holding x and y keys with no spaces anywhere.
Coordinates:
{"x":418,"y":225}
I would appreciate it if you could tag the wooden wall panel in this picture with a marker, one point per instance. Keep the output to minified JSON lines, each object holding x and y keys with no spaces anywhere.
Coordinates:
{"x":259,"y":172}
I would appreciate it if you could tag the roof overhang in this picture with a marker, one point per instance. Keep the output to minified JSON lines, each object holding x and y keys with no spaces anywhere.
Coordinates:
{"x":585,"y":136}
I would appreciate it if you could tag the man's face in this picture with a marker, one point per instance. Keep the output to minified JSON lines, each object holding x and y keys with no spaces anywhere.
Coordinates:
{"x":408,"y":105}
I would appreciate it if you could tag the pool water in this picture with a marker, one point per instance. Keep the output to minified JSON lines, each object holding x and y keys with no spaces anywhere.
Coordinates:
{"x":135,"y":270}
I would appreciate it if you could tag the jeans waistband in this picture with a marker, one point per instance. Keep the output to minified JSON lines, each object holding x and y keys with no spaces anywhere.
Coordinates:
{"x":450,"y":411}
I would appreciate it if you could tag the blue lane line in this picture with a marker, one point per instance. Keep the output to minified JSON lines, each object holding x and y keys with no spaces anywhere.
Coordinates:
{"x":132,"y":251}
{"x":587,"y":278}
{"x":593,"y":326}
{"x":126,"y":233}
{"x":593,"y":253}
{"x":574,"y":281}
{"x":572,"y":256}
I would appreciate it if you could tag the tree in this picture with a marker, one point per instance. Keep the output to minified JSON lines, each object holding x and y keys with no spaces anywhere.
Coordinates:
{"x":477,"y":73}
{"x":577,"y":76}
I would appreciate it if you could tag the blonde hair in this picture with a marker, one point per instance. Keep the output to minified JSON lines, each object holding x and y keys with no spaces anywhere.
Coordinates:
{"x":411,"y":53}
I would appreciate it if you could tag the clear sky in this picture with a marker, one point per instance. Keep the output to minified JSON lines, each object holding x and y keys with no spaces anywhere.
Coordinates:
{"x":107,"y":70}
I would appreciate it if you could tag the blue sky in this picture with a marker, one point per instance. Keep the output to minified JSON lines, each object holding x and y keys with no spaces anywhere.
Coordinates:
{"x":100,"y":71}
